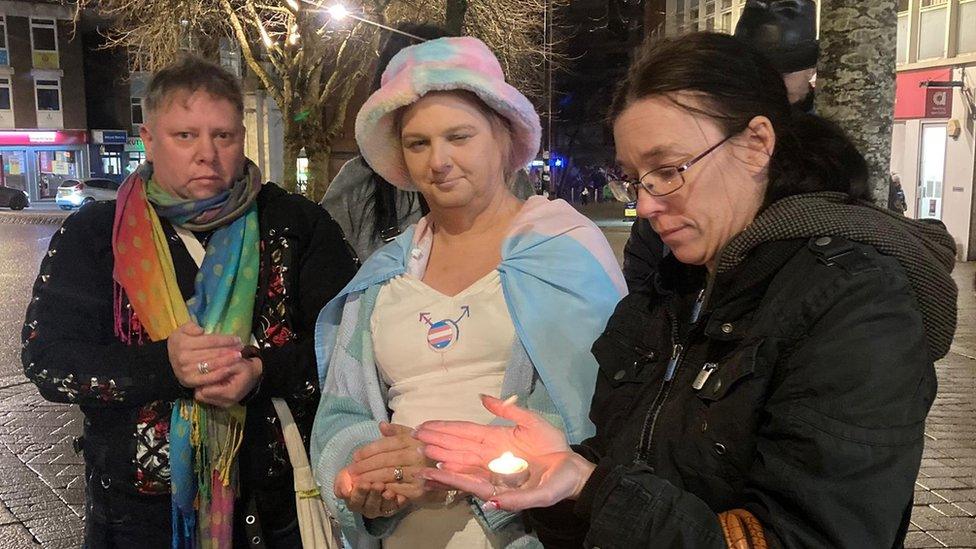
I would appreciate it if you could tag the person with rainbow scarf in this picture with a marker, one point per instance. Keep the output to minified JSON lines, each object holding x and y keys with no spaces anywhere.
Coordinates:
{"x":173,"y":316}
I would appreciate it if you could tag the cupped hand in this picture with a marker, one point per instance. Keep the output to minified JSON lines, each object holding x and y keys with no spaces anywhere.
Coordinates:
{"x":189,"y":346}
{"x":553,"y":478}
{"x":365,"y":498}
{"x":470,"y":444}
{"x":381,"y":460}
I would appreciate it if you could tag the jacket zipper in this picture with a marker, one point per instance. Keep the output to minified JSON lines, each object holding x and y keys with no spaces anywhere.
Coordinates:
{"x":677,"y":354}
{"x":703,"y":375}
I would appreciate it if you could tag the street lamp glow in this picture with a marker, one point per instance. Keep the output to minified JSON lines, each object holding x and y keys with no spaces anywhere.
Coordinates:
{"x":338,"y":12}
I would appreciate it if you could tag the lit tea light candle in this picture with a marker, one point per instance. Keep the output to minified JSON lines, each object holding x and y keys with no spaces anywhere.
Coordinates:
{"x":509,"y":470}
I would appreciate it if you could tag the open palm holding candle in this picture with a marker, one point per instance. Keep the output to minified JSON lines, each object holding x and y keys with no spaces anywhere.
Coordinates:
{"x":464,"y":451}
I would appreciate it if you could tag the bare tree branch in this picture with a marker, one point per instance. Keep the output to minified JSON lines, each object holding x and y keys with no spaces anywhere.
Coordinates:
{"x":310,"y":65}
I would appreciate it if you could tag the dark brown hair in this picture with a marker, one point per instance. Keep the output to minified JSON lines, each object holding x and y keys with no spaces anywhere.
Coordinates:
{"x":191,"y":73}
{"x":735,"y":83}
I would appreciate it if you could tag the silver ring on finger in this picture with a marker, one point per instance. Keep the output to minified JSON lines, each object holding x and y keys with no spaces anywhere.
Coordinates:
{"x":450,"y":497}
{"x":203,"y":367}
{"x":398,"y":474}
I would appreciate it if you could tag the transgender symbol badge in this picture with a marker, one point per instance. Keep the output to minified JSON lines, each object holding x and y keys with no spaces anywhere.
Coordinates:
{"x":443,"y":334}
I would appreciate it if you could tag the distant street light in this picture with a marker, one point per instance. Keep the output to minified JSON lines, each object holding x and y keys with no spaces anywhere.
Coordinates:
{"x":338,"y":12}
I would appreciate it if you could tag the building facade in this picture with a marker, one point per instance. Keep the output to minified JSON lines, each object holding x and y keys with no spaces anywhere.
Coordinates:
{"x":934,"y":139}
{"x":43,"y":136}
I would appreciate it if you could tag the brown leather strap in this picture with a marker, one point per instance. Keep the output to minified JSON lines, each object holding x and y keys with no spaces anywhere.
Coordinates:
{"x":742,"y":530}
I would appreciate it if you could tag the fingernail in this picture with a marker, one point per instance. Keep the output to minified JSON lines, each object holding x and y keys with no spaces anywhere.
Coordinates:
{"x":490,"y":505}
{"x":482,"y":395}
{"x":413,"y":432}
{"x":439,"y":465}
{"x":420,"y":450}
{"x":511,"y":400}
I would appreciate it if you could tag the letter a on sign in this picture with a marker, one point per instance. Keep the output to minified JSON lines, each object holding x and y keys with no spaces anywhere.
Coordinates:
{"x":938,"y":103}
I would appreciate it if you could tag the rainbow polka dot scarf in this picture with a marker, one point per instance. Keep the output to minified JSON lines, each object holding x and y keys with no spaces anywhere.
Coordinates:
{"x":204,"y":440}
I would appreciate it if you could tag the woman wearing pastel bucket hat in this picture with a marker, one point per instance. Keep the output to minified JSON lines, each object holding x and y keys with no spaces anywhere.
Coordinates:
{"x":485,"y":295}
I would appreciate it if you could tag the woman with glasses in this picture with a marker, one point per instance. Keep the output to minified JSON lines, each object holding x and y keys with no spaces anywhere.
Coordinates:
{"x":770,"y":387}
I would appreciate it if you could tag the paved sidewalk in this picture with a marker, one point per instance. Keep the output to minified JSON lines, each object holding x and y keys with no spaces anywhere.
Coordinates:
{"x":945,"y":492}
{"x":41,"y":478}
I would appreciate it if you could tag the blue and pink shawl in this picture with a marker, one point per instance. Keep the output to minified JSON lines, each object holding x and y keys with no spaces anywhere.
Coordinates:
{"x":561,"y":283}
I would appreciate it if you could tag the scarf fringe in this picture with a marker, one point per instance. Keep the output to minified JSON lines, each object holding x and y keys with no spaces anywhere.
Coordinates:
{"x":228,"y":452}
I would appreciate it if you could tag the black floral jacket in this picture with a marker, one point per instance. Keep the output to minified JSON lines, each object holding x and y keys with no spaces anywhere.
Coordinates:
{"x":76,"y":349}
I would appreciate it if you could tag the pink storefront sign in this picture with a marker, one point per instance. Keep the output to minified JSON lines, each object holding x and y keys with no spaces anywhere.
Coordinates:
{"x":43,"y":137}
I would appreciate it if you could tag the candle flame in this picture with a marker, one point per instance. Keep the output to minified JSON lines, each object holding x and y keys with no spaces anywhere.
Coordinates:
{"x":508,"y":463}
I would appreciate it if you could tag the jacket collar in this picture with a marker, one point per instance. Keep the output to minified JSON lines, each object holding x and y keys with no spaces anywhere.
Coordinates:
{"x":727,"y":293}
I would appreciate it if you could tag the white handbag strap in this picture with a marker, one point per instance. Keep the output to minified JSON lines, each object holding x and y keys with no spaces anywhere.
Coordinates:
{"x":193,"y":245}
{"x":294,"y":444}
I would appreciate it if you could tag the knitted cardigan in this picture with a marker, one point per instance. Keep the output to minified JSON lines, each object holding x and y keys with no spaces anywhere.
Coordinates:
{"x":561,"y":283}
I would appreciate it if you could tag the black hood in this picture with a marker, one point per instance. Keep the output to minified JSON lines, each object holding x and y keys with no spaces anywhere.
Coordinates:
{"x":784,"y":30}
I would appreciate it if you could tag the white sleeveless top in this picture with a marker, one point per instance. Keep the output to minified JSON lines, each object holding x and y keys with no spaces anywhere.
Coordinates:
{"x":437,"y":353}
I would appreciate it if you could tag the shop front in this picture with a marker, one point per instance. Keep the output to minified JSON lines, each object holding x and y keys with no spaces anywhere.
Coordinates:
{"x":37,"y":161}
{"x":107,"y":151}
{"x":932,"y":147}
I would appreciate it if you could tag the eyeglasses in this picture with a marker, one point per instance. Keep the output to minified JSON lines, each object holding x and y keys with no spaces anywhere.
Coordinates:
{"x":660,"y":182}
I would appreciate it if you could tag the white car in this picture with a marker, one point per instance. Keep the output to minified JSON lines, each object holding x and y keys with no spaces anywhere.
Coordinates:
{"x":74,"y":193}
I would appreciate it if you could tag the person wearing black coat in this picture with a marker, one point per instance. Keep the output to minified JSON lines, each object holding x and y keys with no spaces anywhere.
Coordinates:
{"x":84,"y":344}
{"x":769,"y":386}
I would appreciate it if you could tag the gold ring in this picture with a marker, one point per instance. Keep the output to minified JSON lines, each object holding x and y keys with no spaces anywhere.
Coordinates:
{"x":203,"y":367}
{"x":398,"y":474}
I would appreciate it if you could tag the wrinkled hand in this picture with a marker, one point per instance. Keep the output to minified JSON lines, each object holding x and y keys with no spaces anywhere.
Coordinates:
{"x":189,"y":346}
{"x":238,"y":380}
{"x":466,"y":443}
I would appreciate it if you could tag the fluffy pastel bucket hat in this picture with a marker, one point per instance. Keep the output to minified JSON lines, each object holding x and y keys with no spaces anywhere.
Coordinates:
{"x":444,"y":64}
